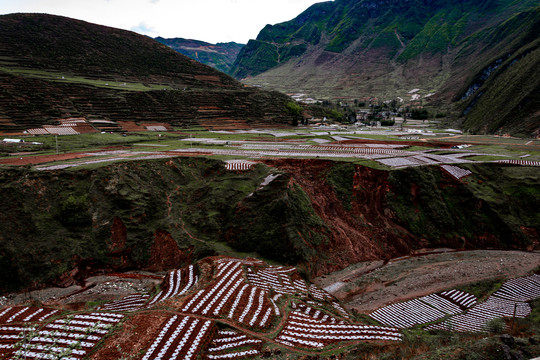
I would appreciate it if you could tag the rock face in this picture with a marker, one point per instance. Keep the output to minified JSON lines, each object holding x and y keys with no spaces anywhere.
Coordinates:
{"x":61,"y":226}
{"x":457,"y":50}
{"x":63,"y":68}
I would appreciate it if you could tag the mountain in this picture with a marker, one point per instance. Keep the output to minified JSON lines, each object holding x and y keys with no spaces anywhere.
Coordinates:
{"x":54,"y":67}
{"x":220,"y":56}
{"x":387,"y":49}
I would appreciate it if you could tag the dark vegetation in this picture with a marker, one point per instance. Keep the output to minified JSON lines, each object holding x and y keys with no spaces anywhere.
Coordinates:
{"x":106,"y":218}
{"x":435,"y":207}
{"x":53,"y":222}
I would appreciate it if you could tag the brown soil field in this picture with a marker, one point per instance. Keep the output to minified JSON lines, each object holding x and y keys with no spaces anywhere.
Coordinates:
{"x":41,"y":159}
{"x":368,"y":286}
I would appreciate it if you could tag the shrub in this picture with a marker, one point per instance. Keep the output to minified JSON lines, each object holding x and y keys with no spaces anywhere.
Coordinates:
{"x":496,"y":326}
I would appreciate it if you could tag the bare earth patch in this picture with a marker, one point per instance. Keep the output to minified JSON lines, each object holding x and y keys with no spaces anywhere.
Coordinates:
{"x":364,"y":289}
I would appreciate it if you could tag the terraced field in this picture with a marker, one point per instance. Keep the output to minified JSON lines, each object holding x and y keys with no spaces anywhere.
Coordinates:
{"x":224,"y":308}
{"x":230,"y":308}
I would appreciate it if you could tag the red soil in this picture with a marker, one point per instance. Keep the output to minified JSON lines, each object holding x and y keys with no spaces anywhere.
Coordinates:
{"x":165,"y":253}
{"x":40,"y":159}
{"x":352,"y":233}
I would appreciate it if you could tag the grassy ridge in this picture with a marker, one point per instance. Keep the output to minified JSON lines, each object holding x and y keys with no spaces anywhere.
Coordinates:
{"x":53,"y":67}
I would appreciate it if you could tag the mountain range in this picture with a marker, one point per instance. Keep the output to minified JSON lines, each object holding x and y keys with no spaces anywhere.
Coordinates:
{"x":481,"y":57}
{"x":220,"y":56}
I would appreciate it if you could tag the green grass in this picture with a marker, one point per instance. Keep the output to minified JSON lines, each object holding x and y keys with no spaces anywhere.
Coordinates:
{"x":486,"y":158}
{"x":66,"y":78}
{"x":69,"y":143}
{"x":483,"y":289}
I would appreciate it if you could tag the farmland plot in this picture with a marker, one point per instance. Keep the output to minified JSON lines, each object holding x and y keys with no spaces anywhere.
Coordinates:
{"x":232,"y":344}
{"x":177,"y":282}
{"x":245,"y":293}
{"x":24,"y":314}
{"x":423,"y":310}
{"x":18,"y":323}
{"x":456,"y":171}
{"x":129,"y":303}
{"x":239,"y":165}
{"x":181,"y":337}
{"x":69,"y":337}
{"x":508,"y":301}
{"x":314,"y":332}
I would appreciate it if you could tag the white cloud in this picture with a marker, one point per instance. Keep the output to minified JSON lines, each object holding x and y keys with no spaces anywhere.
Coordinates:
{"x":143,"y":28}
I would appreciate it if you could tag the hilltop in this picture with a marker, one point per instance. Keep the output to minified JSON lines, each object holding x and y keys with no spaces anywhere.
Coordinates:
{"x":54,"y":68}
{"x":445,"y":52}
{"x":220,"y":56}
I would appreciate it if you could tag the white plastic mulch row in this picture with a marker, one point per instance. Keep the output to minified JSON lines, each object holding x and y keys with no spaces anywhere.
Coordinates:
{"x":25,"y":314}
{"x":69,"y":337}
{"x":156,"y":128}
{"x":307,"y":332}
{"x":274,"y":279}
{"x":460,"y":298}
{"x":230,"y":344}
{"x":478,"y":317}
{"x":54,"y":130}
{"x":456,"y":171}
{"x":129,"y":303}
{"x":314,"y":315}
{"x":178,"y":283}
{"x":239,"y":165}
{"x":61,"y":130}
{"x":407,"y":314}
{"x":181,"y":338}
{"x":248,"y":261}
{"x":508,"y":301}
{"x":520,"y":162}
{"x":230,"y":296}
{"x":318,"y":293}
{"x":424,"y":310}
{"x":520,"y":289}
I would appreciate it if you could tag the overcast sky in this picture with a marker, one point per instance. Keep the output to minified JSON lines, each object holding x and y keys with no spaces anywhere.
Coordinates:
{"x":208,"y":20}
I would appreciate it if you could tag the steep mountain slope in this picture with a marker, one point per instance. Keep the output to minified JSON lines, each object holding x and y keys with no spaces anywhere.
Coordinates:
{"x":385,"y":48}
{"x":503,"y":96}
{"x":53,"y":67}
{"x":220,"y":56}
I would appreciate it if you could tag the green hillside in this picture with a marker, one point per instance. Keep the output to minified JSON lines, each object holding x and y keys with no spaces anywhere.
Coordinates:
{"x":356,"y":49}
{"x":503,"y":96}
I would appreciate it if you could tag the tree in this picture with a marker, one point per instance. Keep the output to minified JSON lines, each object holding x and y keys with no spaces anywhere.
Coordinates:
{"x":295,"y":110}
